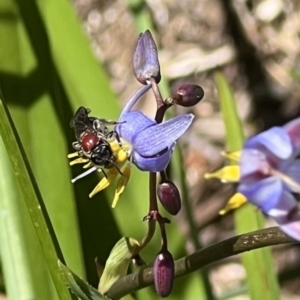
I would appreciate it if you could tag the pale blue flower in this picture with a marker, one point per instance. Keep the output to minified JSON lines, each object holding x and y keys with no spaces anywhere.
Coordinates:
{"x":270,"y":174}
{"x":151,"y":144}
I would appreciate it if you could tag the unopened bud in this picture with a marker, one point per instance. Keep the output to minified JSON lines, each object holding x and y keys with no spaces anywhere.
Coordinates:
{"x":188,"y":95}
{"x":163,"y":273}
{"x":145,"y":59}
{"x":169,"y":197}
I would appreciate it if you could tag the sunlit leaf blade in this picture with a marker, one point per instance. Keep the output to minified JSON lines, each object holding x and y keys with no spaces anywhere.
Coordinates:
{"x":71,"y":75}
{"x":84,"y":79}
{"x":261,"y":277}
{"x":32,"y":199}
{"x":22,"y":258}
{"x":77,"y":286}
{"x":14,"y":256}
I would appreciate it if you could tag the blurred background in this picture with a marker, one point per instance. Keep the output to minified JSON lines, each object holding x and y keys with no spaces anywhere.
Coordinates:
{"x":58,"y":55}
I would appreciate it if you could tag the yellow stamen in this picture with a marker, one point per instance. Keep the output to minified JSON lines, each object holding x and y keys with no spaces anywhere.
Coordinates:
{"x":226,"y":174}
{"x":236,"y":201}
{"x":88,"y":165}
{"x":71,"y":155}
{"x":105,"y":182}
{"x":79,"y":160}
{"x":235,"y":156}
{"x":121,"y":185}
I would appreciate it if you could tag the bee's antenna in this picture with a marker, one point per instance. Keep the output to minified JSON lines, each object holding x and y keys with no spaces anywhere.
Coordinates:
{"x":89,"y":171}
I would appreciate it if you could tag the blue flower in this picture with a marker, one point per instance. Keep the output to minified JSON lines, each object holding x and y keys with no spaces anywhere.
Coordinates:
{"x":138,"y":139}
{"x":270,"y":174}
{"x":151,"y":144}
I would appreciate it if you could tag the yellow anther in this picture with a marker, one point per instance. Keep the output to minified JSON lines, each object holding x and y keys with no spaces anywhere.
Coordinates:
{"x":235,"y":156}
{"x":71,"y":155}
{"x":121,"y":185}
{"x":79,"y":160}
{"x":226,"y":174}
{"x":88,"y":165}
{"x":236,"y":201}
{"x":105,"y":182}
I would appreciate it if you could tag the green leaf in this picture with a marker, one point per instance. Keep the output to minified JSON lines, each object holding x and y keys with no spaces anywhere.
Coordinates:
{"x":32,"y":198}
{"x":77,"y":286}
{"x":261,"y":277}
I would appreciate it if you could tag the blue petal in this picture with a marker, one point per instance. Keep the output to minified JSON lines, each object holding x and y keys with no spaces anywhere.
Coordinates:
{"x":292,"y":170}
{"x":134,"y":122}
{"x":152,"y":164}
{"x":134,"y":99}
{"x":293,"y":130}
{"x":267,"y":193}
{"x":292,"y":229}
{"x":154,"y":139}
{"x":253,"y":161}
{"x":275,"y":140}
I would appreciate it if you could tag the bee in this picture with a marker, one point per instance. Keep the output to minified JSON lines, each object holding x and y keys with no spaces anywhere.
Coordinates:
{"x":94,"y":142}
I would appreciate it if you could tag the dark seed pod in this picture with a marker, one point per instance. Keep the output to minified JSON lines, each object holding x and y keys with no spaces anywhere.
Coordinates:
{"x":169,"y":197}
{"x":145,"y":59}
{"x":163,"y":273}
{"x":188,"y":95}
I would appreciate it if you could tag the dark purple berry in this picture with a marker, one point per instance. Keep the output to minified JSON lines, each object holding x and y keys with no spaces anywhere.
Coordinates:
{"x":169,"y":197}
{"x":163,"y":273}
{"x":188,"y":95}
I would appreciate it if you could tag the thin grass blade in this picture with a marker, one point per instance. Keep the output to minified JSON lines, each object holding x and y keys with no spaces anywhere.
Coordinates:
{"x":261,"y":277}
{"x":32,"y":199}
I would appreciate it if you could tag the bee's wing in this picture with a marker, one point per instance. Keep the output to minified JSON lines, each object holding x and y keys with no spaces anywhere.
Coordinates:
{"x":81,"y":122}
{"x":156,"y":138}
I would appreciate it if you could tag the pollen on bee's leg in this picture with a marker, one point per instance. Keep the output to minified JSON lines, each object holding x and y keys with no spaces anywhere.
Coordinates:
{"x":236,"y":201}
{"x":105,"y":181}
{"x":121,"y":185}
{"x":120,"y":151}
{"x":226,"y":174}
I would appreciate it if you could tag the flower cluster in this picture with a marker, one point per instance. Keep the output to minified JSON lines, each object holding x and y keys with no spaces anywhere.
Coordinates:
{"x":146,"y":142}
{"x":269,"y":175}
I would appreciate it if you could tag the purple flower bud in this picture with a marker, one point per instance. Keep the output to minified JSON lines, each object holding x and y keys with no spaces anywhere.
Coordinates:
{"x":145,"y":59}
{"x":169,"y":197}
{"x":163,"y":273}
{"x":188,"y":95}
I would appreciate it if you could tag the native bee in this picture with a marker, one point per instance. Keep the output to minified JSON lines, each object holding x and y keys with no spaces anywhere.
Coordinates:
{"x":94,"y":141}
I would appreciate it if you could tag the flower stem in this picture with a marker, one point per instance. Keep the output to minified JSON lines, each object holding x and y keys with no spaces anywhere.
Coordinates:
{"x":203,"y":257}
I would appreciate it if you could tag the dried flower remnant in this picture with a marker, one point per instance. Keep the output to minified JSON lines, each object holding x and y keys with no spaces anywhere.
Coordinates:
{"x":269,"y":175}
{"x":145,"y":59}
{"x":163,"y":273}
{"x":169,"y":197}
